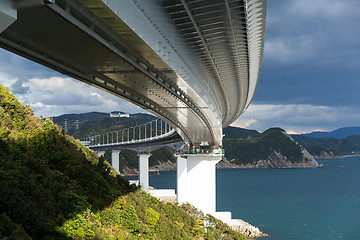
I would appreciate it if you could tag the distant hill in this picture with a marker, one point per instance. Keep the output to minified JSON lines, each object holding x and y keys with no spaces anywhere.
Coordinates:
{"x":330,"y":147}
{"x":273,"y":148}
{"x":338,"y":133}
{"x":235,"y":132}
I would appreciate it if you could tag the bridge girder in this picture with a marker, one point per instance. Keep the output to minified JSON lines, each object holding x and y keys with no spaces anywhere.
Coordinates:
{"x":186,"y":80}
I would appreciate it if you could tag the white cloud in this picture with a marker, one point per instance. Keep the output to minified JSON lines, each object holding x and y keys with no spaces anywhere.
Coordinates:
{"x":59,"y":95}
{"x":290,"y":49}
{"x":297,"y":118}
{"x":7,"y":80}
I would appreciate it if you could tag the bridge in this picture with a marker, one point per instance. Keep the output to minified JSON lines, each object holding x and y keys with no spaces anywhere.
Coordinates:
{"x":193,"y":63}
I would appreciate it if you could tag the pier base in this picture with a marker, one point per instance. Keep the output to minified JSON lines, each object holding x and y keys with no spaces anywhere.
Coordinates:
{"x":196,"y":181}
{"x":115,"y":162}
{"x":144,"y":171}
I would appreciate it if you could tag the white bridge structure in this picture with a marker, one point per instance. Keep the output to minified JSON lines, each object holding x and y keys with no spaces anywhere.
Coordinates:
{"x":143,"y":139}
{"x":193,"y":63}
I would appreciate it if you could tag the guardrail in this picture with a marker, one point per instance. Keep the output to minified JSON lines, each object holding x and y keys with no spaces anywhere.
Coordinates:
{"x":141,"y":133}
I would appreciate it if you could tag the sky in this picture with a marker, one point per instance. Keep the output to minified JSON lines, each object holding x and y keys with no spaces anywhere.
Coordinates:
{"x":310,"y":77}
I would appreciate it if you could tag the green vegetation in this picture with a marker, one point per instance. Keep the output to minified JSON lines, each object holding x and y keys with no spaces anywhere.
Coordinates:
{"x":250,"y":150}
{"x":235,"y":132}
{"x":52,"y":187}
{"x":140,"y":216}
{"x":338,"y":147}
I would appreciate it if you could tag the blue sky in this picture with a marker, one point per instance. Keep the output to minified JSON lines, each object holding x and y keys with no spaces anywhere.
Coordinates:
{"x":310,"y":78}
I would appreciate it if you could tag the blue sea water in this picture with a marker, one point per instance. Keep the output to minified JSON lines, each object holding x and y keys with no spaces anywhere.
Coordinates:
{"x":291,"y":204}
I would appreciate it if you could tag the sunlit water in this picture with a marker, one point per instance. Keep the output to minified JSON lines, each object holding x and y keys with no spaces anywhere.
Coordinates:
{"x":291,"y":204}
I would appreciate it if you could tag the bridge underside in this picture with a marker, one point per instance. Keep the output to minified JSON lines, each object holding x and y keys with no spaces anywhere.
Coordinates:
{"x":194,"y":64}
{"x":104,"y":52}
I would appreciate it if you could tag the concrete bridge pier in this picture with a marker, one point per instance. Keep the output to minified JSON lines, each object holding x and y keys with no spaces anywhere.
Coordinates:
{"x":115,"y":163}
{"x":196,"y":181}
{"x":144,"y":171}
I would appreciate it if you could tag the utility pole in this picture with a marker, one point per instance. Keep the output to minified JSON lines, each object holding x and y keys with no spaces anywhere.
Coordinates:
{"x":76,"y":124}
{"x":66,"y":125}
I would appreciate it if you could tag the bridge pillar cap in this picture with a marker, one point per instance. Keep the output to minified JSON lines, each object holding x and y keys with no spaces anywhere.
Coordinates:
{"x":202,"y":152}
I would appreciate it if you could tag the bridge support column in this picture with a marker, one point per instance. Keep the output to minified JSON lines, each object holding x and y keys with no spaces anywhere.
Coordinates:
{"x":144,"y":171}
{"x":196,"y":181}
{"x":115,"y":160}
{"x":100,"y":153}
{"x":181,"y":172}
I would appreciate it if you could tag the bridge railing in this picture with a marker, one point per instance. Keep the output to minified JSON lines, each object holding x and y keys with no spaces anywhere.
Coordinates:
{"x":140,"y":133}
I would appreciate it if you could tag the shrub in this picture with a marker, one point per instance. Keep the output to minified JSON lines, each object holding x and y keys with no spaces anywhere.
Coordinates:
{"x":153,"y":216}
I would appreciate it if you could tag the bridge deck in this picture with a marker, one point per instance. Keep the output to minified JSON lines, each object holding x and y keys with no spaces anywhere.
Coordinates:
{"x":195,"y":64}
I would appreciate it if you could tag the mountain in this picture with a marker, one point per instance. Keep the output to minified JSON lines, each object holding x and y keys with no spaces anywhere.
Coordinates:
{"x":53,"y":187}
{"x":330,"y":147}
{"x":338,"y":133}
{"x":273,"y":148}
{"x":236,"y":132}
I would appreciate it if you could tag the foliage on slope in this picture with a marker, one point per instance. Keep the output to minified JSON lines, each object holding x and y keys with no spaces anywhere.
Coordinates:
{"x":250,"y":150}
{"x":236,"y":132}
{"x":140,"y":216}
{"x":318,"y":146}
{"x":47,"y":177}
{"x":325,"y":146}
{"x":52,"y":187}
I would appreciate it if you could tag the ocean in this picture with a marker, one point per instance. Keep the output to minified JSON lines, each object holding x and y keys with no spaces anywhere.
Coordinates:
{"x":291,"y":204}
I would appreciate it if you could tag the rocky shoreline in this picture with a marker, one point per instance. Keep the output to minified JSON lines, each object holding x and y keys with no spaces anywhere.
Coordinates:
{"x":226,"y":164}
{"x":275,"y":160}
{"x":247,"y":229}
{"x":238,"y":225}
{"x":334,"y":156}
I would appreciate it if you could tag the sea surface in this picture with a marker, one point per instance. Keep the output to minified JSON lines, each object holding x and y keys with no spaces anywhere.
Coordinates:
{"x":291,"y":204}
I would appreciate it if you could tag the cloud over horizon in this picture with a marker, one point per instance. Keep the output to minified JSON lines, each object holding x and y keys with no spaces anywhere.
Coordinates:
{"x":296,"y":118}
{"x":60,"y":95}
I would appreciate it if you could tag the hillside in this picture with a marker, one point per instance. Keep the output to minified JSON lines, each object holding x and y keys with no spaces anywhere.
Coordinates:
{"x":271,"y":149}
{"x":236,"y":132}
{"x":330,"y":147}
{"x":52,"y":187}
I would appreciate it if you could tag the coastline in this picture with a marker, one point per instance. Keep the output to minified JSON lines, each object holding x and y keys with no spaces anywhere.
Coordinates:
{"x":335,"y":157}
{"x":225,"y":164}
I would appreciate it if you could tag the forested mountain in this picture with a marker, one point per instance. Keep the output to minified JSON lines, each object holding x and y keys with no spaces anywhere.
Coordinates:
{"x":270,"y":149}
{"x":52,"y":187}
{"x":330,"y":147}
{"x":236,"y":132}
